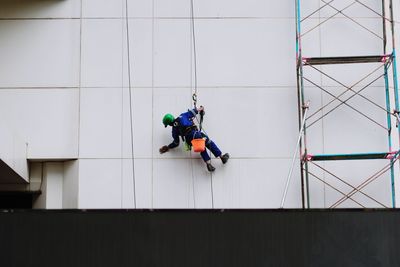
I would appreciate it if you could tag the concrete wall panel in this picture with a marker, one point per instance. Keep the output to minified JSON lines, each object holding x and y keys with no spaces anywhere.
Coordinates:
{"x":46,"y":118}
{"x":99,"y":183}
{"x":39,"y":53}
{"x":100,"y":123}
{"x":102,"y":52}
{"x":71,"y":184}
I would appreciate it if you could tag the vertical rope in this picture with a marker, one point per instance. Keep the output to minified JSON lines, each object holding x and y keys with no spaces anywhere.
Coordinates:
{"x":130,"y":103}
{"x":80,"y":77}
{"x":80,"y":86}
{"x":193,"y":97}
{"x":193,"y":181}
{"x":195,"y":83}
{"x":322,"y":99}
{"x":194,"y":52}
{"x":152,"y":102}
{"x":212,"y":191}
{"x":122,"y":107}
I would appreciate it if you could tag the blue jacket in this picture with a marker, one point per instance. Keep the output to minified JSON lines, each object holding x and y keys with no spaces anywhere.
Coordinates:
{"x":183,"y":126}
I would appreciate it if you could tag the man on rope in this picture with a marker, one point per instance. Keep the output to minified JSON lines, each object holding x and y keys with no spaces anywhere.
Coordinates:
{"x":184,"y":127}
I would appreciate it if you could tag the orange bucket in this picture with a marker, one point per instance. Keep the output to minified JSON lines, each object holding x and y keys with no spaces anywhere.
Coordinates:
{"x":199,"y":145}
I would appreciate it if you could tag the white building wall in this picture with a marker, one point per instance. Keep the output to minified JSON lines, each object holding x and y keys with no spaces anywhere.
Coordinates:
{"x":13,"y":154}
{"x":64,"y":87}
{"x":54,"y":176}
{"x":51,"y":177}
{"x":70,"y":185}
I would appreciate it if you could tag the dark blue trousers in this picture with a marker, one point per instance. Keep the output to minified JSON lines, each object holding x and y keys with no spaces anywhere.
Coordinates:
{"x":209,"y":144}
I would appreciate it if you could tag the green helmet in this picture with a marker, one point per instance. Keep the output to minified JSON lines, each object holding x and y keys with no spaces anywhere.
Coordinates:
{"x":168,"y":119}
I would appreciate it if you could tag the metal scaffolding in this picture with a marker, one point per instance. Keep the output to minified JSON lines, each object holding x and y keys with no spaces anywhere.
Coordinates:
{"x":384,"y":71}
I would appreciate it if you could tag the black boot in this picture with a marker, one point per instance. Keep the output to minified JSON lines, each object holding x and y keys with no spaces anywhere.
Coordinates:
{"x":210,"y":167}
{"x":225,"y":158}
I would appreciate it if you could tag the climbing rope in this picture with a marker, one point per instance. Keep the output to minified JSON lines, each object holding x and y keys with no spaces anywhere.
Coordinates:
{"x":130,"y":103}
{"x":201,"y":120}
{"x":194,"y":96}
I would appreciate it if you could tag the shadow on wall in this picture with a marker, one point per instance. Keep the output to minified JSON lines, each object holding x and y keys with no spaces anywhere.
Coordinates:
{"x":31,"y":8}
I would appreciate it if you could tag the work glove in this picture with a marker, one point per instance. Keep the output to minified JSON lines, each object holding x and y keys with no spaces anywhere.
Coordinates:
{"x":163,"y":149}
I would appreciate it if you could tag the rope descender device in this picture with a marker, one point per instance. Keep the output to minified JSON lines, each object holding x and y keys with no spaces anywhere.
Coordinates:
{"x":194,"y":97}
{"x":201,"y":120}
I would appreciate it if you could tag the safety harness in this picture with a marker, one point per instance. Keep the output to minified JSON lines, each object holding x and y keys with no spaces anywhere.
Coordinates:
{"x":184,"y":130}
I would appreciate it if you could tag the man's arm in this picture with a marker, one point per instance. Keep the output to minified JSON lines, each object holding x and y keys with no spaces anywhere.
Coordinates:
{"x":175,"y":136}
{"x":175,"y":142}
{"x":193,"y":112}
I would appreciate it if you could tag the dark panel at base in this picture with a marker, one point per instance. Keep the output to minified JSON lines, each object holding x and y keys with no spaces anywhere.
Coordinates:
{"x":200,"y":238}
{"x":16,"y":200}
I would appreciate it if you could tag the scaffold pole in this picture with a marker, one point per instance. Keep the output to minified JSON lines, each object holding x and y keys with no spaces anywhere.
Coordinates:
{"x":387,"y":63}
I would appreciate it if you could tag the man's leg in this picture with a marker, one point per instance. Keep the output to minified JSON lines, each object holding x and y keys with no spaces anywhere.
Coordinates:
{"x":207,"y":160}
{"x":212,"y":147}
{"x":203,"y":154}
{"x":215,"y":150}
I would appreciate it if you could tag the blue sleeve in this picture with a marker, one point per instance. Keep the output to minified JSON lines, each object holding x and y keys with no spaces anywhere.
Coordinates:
{"x":175,"y":136}
{"x":190,"y":113}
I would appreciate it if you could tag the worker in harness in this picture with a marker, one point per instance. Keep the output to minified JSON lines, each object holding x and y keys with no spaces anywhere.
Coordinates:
{"x":184,"y":127}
